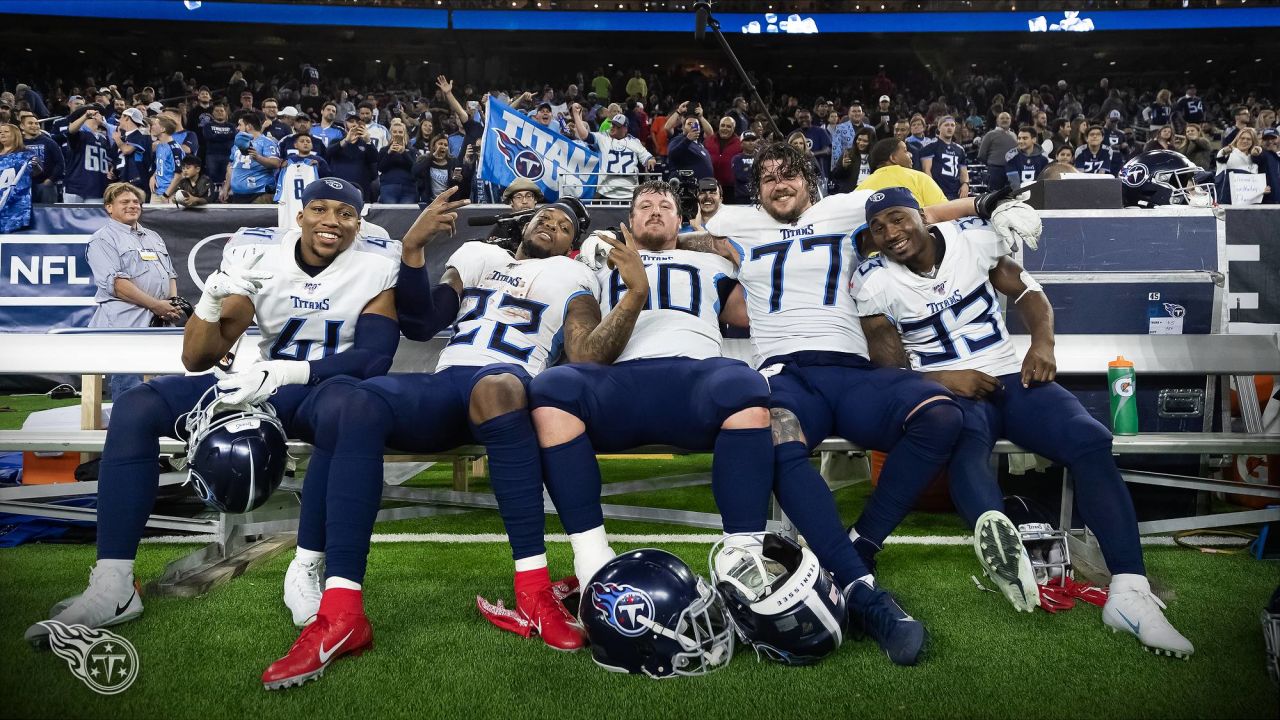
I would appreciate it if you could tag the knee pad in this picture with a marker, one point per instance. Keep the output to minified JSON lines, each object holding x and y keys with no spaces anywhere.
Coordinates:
{"x":1083,"y":434}
{"x":940,"y":420}
{"x":562,"y":388}
{"x":142,"y":407}
{"x":736,"y":387}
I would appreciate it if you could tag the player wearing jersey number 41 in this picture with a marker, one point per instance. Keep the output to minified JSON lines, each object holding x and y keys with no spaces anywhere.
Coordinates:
{"x":512,"y":316}
{"x":795,"y":259}
{"x":323,"y":299}
{"x":929,"y":303}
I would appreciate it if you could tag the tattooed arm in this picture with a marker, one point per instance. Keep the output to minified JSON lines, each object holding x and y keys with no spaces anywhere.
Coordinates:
{"x":704,"y":241}
{"x":586,"y":337}
{"x":883,"y":342}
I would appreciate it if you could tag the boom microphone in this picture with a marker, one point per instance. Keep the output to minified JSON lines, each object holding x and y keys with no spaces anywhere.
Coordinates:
{"x":701,"y":10}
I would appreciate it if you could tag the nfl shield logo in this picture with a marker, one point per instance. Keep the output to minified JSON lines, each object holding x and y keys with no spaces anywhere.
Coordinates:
{"x":940,"y":288}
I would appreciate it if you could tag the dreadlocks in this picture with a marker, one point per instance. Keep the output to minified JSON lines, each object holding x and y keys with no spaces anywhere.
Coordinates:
{"x":791,"y":162}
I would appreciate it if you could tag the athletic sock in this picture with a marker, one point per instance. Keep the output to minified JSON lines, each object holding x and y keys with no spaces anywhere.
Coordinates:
{"x":337,"y":600}
{"x":308,"y":557}
{"x":515,"y":473}
{"x":742,"y":478}
{"x":532,"y":581}
{"x":590,"y":552}
{"x":573,"y":481}
{"x":1107,"y":508}
{"x":805,"y":498}
{"x":357,"y":462}
{"x":315,"y":497}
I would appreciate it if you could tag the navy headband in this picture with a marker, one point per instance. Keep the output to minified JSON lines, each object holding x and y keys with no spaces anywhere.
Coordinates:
{"x":332,"y":188}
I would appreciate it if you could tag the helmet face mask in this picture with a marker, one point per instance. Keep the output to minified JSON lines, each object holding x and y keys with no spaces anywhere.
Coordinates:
{"x":1046,"y":545}
{"x":236,"y":455}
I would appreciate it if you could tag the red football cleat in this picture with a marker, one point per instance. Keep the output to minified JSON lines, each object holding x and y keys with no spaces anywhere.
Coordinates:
{"x":557,"y":627}
{"x":331,"y":636}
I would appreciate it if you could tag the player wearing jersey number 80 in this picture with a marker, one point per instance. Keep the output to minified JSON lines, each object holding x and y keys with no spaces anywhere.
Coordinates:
{"x":935,"y":289}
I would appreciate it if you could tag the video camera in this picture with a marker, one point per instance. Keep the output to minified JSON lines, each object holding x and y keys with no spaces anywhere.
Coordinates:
{"x":685,"y":185}
{"x":508,"y":229}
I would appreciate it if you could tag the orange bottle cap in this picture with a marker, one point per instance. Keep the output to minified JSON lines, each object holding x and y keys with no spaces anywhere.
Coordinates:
{"x":1120,"y":362}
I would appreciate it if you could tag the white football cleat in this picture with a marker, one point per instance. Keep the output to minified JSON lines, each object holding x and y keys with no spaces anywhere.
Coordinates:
{"x":1133,"y":608}
{"x":303,"y":585}
{"x":113,"y":597}
{"x":998,"y":545}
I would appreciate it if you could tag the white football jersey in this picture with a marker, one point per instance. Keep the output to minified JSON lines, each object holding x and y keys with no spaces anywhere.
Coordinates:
{"x":952,"y":321}
{"x":681,"y":317}
{"x":308,"y":318}
{"x":620,"y":160}
{"x":796,"y":275}
{"x":512,"y":311}
{"x":295,"y":178}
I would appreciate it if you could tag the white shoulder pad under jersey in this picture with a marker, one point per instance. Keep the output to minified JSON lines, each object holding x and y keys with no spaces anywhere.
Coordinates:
{"x":949,"y":322}
{"x":796,"y":275}
{"x":681,"y":317}
{"x":512,"y":310}
{"x":302,"y":317}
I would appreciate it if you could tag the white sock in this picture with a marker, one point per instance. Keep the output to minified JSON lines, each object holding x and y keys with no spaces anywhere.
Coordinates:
{"x":869,"y":580}
{"x":309,"y":557}
{"x":124,"y":566}
{"x":590,"y":552}
{"x":342,"y":583}
{"x":1130,"y":581}
{"x":535,"y":562}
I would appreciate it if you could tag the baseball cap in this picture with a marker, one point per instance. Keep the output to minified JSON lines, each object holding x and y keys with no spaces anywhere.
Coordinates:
{"x":104,"y":91}
{"x":289,"y":111}
{"x":302,"y":116}
{"x":619,"y":119}
{"x":75,"y":97}
{"x":1114,"y":114}
{"x":885,"y":98}
{"x":1270,"y":133}
{"x":748,"y":135}
{"x":155,"y":107}
{"x":544,"y":104}
{"x":135,"y":115}
{"x":707,"y":183}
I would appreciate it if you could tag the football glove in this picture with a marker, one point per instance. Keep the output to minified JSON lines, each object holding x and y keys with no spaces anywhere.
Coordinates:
{"x":594,"y":252}
{"x":261,"y":380}
{"x":221,"y":284}
{"x":1017,"y":223}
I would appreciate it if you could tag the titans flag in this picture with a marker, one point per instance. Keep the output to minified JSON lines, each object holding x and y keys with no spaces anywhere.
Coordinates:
{"x":515,"y":146}
{"x":15,"y":191}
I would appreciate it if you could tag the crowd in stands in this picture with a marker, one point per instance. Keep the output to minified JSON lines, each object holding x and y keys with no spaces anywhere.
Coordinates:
{"x":405,"y":139}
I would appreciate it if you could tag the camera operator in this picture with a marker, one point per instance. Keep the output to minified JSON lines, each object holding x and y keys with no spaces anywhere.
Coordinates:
{"x":523,"y":194}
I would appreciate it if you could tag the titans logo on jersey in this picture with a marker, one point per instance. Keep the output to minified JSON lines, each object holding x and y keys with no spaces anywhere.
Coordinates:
{"x":681,"y":317}
{"x":307,"y":318}
{"x":794,"y":274}
{"x":951,"y":321}
{"x":512,"y":310}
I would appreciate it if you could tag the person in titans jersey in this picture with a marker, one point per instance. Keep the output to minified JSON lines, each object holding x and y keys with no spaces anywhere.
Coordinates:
{"x":936,"y":288}
{"x":670,"y":386}
{"x":323,"y":300}
{"x":794,"y":256}
{"x":512,"y":317}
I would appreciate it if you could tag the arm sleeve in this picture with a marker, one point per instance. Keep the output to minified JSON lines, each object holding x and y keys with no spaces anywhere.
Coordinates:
{"x":423,"y":310}
{"x":369,"y":356}
{"x":105,"y":264}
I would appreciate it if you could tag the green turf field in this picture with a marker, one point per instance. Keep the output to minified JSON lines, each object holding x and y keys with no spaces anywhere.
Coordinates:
{"x":435,"y":656}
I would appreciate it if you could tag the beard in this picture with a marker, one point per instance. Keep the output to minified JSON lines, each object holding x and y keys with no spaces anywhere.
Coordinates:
{"x":532,"y":251}
{"x":788,"y":218}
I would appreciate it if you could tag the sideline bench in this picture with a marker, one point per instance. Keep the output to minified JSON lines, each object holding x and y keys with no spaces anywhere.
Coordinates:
{"x":157,"y":352}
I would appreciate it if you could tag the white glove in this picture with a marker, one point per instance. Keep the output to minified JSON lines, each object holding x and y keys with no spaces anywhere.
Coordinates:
{"x":261,"y":380}
{"x":594,"y":252}
{"x":1016,"y":222}
{"x":221,"y":284}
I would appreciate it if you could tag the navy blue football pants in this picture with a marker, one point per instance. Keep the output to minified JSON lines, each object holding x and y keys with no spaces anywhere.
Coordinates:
{"x":1049,"y":421}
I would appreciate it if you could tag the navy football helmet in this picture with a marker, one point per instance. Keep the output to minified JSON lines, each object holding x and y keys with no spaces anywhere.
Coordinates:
{"x":1045,"y":543}
{"x":782,"y":603}
{"x":1165,"y":177}
{"x":645,"y":612}
{"x":236,"y":455}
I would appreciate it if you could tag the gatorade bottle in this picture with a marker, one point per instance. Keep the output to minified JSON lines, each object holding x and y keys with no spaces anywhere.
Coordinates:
{"x":1124,"y":403}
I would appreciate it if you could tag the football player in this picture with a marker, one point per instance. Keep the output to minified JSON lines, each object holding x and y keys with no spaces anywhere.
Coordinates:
{"x":323,"y":299}
{"x":935,"y":288}
{"x":794,"y":256}
{"x":670,"y":385}
{"x":514,"y":315}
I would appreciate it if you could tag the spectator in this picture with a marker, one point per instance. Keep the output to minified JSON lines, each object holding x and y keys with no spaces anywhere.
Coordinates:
{"x":741,"y":165}
{"x":187,"y":139}
{"x":1095,"y":158}
{"x":1079,"y":131}
{"x":623,"y":155}
{"x":88,"y":157}
{"x":301,"y":125}
{"x":1043,"y":133}
{"x":1061,"y":137}
{"x":1113,"y":137}
{"x":23,"y":93}
{"x":246,"y":101}
{"x":846,"y":130}
{"x":132,"y":271}
{"x":854,"y":165}
{"x":201,"y":111}
{"x":1190,"y":107}
{"x":1024,"y":163}
{"x":1113,"y":103}
{"x":251,"y":170}
{"x":523,"y":194}
{"x":167,"y":155}
{"x":277,"y":125}
{"x":740,"y":112}
{"x":133,"y":143}
{"x":1266,"y":119}
{"x":1243,"y":119}
{"x":601,"y":85}
{"x":832,"y":122}
{"x":422,"y":134}
{"x":1064,"y":156}
{"x":355,"y":159}
{"x":194,"y":189}
{"x":1057,"y":169}
{"x":817,"y":139}
{"x":945,"y":161}
{"x":1241,"y":154}
{"x":1070,"y":107}
{"x":1163,"y":139}
{"x":686,"y":151}
{"x":462,"y":128}
{"x":46,"y":159}
{"x":724,"y":145}
{"x":883,"y":117}
{"x":218,"y":135}
{"x":994,"y":148}
{"x":435,"y":171}
{"x":376,"y":132}
{"x":798,"y":141}
{"x":637,"y":88}
{"x":299,"y":170}
{"x":1194,"y":145}
{"x":891,"y":167}
{"x":329,"y":131}
{"x":395,"y":168}
{"x":1269,"y":164}
{"x":710,"y":198}
{"x":1159,"y":113}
